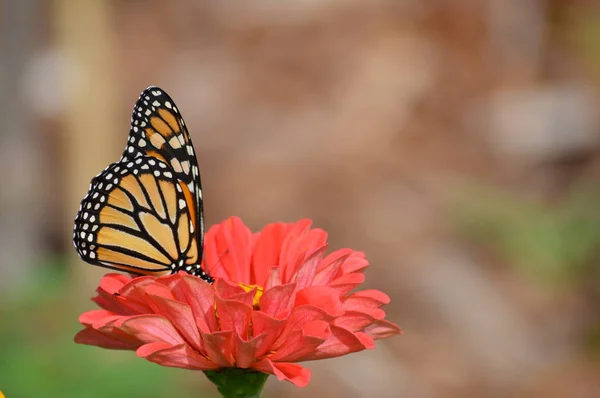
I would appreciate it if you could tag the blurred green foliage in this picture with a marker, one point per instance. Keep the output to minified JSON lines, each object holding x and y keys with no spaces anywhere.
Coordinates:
{"x":557,"y":244}
{"x":40,"y":359}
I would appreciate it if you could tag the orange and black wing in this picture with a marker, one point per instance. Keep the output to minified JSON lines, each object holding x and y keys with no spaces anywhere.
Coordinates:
{"x":137,"y":217}
{"x":158,"y":130}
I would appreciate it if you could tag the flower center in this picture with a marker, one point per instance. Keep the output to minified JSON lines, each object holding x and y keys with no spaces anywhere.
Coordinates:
{"x":257,"y":295}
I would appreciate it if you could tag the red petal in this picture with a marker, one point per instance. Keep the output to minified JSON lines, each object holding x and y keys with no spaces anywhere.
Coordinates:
{"x":267,"y":249}
{"x":358,"y":320}
{"x":151,"y":328}
{"x":366,"y":340}
{"x":329,"y":267}
{"x":300,"y":316}
{"x":111,"y":327}
{"x":159,"y":290}
{"x":278,"y":301}
{"x":200,"y":296}
{"x":300,"y":243}
{"x":382,"y":329}
{"x":274,"y":278}
{"x":133,"y":296}
{"x":291,"y":372}
{"x":366,"y":299}
{"x":356,"y":262}
{"x":245,"y":354}
{"x":219,"y":348}
{"x":322,"y":297}
{"x":181,"y":317}
{"x":109,"y":302}
{"x":306,"y":274}
{"x":263,"y":324}
{"x":112,"y":283}
{"x":132,"y":305}
{"x":89,"y":318}
{"x":301,"y":343}
{"x":179,"y":356}
{"x":235,"y":316}
{"x":234,"y":241}
{"x":341,"y":342}
{"x":226,"y":289}
{"x":345,"y":283}
{"x":212,"y":257}
{"x":292,"y":246}
{"x":99,"y":339}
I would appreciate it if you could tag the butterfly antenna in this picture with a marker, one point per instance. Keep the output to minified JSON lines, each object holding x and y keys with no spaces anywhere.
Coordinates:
{"x":218,"y":261}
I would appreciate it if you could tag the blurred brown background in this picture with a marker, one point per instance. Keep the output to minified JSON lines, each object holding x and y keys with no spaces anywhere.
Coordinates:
{"x":456,"y":142}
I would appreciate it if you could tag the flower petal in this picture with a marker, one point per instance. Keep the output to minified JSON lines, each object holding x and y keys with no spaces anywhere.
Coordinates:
{"x":382,"y":329}
{"x":200,"y":296}
{"x":93,"y":337}
{"x":298,"y":318}
{"x":300,"y":243}
{"x":323,"y":297}
{"x":227,"y":289}
{"x":245,"y":353}
{"x":358,"y":320}
{"x":306,"y":274}
{"x":330,"y":265}
{"x":219,"y":348}
{"x":150,"y":329}
{"x":366,"y":299}
{"x":302,"y":342}
{"x":179,"y":356}
{"x":341,"y":342}
{"x":278,"y":301}
{"x":181,"y":317}
{"x":274,"y":278}
{"x":234,"y":240}
{"x":90,"y":318}
{"x":113,"y":282}
{"x":267,"y":248}
{"x":234,"y":316}
{"x":356,"y":262}
{"x":291,"y":372}
{"x":345,"y":283}
{"x":263,"y":324}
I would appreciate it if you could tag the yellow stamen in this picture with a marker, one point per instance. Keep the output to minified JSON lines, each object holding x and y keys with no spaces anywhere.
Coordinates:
{"x":257,"y":295}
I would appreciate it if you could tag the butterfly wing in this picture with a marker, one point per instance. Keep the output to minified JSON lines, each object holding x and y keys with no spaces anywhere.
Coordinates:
{"x":144,"y":214}
{"x":137,"y":218}
{"x":158,"y":130}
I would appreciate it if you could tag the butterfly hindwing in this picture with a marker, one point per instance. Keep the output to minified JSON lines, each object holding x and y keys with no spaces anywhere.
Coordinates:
{"x":136,"y":218}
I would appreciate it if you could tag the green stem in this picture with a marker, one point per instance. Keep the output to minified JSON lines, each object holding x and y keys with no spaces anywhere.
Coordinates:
{"x":238,"y":383}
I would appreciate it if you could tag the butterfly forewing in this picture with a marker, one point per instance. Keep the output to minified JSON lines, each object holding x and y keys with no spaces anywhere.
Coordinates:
{"x":158,"y":130}
{"x":144,"y":213}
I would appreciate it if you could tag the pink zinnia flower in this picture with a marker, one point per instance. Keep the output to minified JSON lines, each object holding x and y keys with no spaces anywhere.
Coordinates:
{"x":277,"y":300}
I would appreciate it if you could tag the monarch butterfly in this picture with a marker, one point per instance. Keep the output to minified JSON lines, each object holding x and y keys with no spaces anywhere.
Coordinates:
{"x":144,"y":213}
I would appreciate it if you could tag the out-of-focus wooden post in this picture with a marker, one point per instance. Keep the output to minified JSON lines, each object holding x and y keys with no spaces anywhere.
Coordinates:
{"x":85,"y":38}
{"x":21,"y":198}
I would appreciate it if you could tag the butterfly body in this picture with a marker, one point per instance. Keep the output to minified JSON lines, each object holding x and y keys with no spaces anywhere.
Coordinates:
{"x":144,"y":214}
